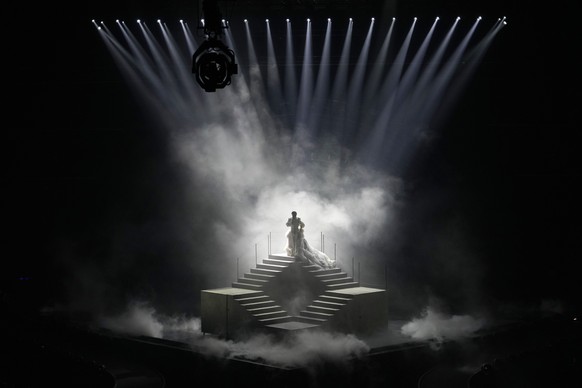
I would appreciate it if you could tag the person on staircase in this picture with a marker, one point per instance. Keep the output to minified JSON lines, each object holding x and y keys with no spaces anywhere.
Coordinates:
{"x":298,"y":247}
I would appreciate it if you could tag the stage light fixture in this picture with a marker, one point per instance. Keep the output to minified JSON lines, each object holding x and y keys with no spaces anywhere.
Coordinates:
{"x":213,"y":63}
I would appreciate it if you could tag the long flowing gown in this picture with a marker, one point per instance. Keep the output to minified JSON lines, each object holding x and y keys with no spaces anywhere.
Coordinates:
{"x":306,"y":253}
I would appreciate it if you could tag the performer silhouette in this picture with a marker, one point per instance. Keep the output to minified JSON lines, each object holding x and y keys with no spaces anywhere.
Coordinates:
{"x":295,"y":234}
{"x":298,"y":247}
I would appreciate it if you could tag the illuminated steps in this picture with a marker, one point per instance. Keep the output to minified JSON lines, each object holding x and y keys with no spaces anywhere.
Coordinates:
{"x":323,"y":308}
{"x":334,"y":278}
{"x":266,"y":297}
{"x":262,"y":308}
{"x":266,"y":271}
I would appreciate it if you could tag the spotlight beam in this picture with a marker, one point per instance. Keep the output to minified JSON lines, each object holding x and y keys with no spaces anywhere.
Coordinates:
{"x":355,"y":88}
{"x":402,"y":93}
{"x":290,"y":77}
{"x":340,"y":83}
{"x":470,"y":63}
{"x":161,"y":62}
{"x":374,"y":142}
{"x":322,"y":85}
{"x":255,"y":77}
{"x":274,"y":86}
{"x":417,"y":96}
{"x":430,"y":103}
{"x":181,"y":74}
{"x":379,"y":66}
{"x":306,"y":85}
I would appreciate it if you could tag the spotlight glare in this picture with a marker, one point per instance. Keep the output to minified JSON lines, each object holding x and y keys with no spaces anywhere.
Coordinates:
{"x":267,"y":20}
{"x":181,"y":21}
{"x":329,"y":20}
{"x":139,"y":21}
{"x":116,"y":20}
{"x":246,"y":21}
{"x":373,"y":19}
{"x":159,"y":21}
{"x":458,"y":18}
{"x":287,"y":20}
{"x":308,"y":20}
{"x":437,"y":18}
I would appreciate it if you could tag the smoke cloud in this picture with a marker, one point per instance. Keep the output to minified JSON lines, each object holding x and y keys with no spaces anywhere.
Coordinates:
{"x":304,"y":349}
{"x":438,"y":326}
{"x":259,"y":181}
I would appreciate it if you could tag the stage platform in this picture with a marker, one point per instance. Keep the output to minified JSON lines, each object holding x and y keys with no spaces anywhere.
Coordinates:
{"x":286,"y":295}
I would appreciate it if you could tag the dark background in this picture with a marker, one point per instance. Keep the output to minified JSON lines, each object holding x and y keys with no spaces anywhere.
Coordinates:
{"x":80,"y":154}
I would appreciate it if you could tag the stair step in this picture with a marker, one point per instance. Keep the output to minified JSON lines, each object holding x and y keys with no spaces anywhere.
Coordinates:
{"x":342,"y":285}
{"x":264,"y":309}
{"x":260,"y":282}
{"x":266,"y":271}
{"x":329,"y":304}
{"x":255,"y":298}
{"x":270,"y":314}
{"x":246,"y":286}
{"x":316,"y":314}
{"x":271,"y":320}
{"x":260,"y":276}
{"x":274,"y":267}
{"x":342,"y":280}
{"x":289,"y":259}
{"x":331,"y":275}
{"x":334,"y":298}
{"x":262,"y":303}
{"x":322,"y":271}
{"x":323,"y":309}
{"x":313,"y":320}
{"x":283,"y":263}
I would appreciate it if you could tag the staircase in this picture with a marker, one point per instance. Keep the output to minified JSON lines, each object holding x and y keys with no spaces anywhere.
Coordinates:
{"x":264,"y":273}
{"x":324,"y":308}
{"x":268,"y":313}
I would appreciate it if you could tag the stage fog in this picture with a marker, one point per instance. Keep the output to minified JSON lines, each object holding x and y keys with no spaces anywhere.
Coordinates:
{"x":329,"y":118}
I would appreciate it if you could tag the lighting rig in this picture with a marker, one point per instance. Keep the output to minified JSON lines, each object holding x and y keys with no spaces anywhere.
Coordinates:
{"x":213,"y":62}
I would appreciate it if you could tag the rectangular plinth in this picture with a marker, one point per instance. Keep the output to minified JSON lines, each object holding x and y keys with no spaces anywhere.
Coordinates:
{"x":366,"y":311}
{"x":221,"y":314}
